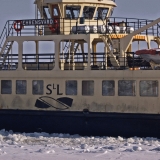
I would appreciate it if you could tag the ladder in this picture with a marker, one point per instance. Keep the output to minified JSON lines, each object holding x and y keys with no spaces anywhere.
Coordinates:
{"x":109,"y":44}
{"x":66,"y":51}
{"x":4,"y":52}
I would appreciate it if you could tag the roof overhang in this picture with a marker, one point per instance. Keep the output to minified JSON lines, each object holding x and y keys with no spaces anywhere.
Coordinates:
{"x":109,"y":2}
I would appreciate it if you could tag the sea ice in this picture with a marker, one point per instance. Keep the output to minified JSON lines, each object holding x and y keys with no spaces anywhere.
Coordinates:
{"x":70,"y":147}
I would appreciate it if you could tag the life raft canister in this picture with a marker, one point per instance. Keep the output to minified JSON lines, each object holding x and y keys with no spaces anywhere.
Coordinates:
{"x":54,"y":27}
{"x":18,"y":25}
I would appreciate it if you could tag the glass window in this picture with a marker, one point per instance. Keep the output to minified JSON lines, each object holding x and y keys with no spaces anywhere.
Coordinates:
{"x":88,"y":88}
{"x":37,"y":87}
{"x":101,"y":13}
{"x":72,"y":12}
{"x":55,"y":10}
{"x":88,"y":12}
{"x":126,"y":88}
{"x":149,"y":88}
{"x":6,"y":86}
{"x":21,"y":87}
{"x":71,"y":87}
{"x":112,"y":10}
{"x":46,"y":12}
{"x":108,"y":88}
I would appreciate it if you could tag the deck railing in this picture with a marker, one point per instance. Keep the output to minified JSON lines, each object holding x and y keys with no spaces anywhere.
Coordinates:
{"x":30,"y":27}
{"x":63,"y":23}
{"x":79,"y":61}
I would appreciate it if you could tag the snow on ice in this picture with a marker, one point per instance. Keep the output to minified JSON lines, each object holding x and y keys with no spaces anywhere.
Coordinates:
{"x":40,"y":146}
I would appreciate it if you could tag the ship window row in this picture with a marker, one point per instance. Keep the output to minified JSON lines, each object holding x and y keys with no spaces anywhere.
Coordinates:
{"x":21,"y":87}
{"x":125,"y":87}
{"x":73,"y":12}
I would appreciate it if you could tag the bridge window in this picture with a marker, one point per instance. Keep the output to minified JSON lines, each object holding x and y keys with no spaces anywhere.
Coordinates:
{"x":87,"y":88}
{"x":46,"y":12}
{"x":88,"y":12}
{"x":37,"y":87}
{"x":6,"y":86}
{"x":101,"y":13}
{"x":72,"y":12}
{"x":126,"y":88}
{"x":55,"y":11}
{"x":149,"y":88}
{"x":21,"y":87}
{"x":108,"y":88}
{"x":71,"y":87}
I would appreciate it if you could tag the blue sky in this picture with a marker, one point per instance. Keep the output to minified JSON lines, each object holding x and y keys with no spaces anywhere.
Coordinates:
{"x":147,"y":9}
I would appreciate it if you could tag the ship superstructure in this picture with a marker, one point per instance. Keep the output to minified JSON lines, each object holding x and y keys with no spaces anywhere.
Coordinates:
{"x":93,"y":24}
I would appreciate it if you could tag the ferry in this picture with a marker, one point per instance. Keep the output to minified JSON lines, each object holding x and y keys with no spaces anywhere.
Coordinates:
{"x":78,"y":87}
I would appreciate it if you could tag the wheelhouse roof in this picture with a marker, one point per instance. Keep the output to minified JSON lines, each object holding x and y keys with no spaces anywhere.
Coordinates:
{"x":109,"y":2}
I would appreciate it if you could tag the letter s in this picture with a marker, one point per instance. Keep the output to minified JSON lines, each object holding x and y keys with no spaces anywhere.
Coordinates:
{"x":50,"y":91}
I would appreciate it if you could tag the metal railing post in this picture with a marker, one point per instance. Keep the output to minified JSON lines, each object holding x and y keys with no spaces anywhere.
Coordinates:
{"x":133,"y":61}
{"x":63,"y":25}
{"x":146,"y":29}
{"x":38,"y":61}
{"x":157,"y":30}
{"x":70,"y":25}
{"x":97,"y":24}
{"x":124,"y":63}
{"x":76,"y":27}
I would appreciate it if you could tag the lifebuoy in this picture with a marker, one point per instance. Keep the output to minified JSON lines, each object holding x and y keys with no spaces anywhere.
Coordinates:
{"x":16,"y":24}
{"x":53,"y":27}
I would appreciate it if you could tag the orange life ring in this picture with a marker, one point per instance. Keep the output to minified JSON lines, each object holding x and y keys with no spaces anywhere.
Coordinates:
{"x":54,"y":27}
{"x":16,"y":23}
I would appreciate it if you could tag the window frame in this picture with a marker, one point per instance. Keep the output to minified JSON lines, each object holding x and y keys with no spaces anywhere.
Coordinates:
{"x":10,"y":88}
{"x":113,"y":88}
{"x":42,"y":87}
{"x":76,"y":88}
{"x":133,"y":90}
{"x":71,"y":6}
{"x":82,"y":87}
{"x":148,"y":95}
{"x":25,"y":87}
{"x":83,"y":15}
{"x":96,"y":12}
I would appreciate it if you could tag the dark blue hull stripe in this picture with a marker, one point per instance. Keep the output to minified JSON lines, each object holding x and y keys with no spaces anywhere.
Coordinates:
{"x":83,"y":123}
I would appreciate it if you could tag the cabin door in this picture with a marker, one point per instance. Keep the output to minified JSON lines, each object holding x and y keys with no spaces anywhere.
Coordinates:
{"x":56,"y":17}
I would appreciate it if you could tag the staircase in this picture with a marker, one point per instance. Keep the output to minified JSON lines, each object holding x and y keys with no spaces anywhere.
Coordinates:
{"x":109,"y":44}
{"x":5,"y":45}
{"x":67,"y":50}
{"x":110,"y":47}
{"x":4,"y":53}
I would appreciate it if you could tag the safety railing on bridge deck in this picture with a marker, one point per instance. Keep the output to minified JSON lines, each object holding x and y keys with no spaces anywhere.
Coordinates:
{"x":30,"y":61}
{"x":32,"y":27}
{"x":78,"y":61}
{"x":101,"y":61}
{"x":79,"y":25}
{"x":135,"y":24}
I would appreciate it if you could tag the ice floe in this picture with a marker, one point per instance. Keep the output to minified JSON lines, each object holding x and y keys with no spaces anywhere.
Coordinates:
{"x":65,"y":146}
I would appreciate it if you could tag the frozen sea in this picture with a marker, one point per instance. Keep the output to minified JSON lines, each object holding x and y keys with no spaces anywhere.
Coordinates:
{"x":44,"y":146}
